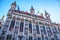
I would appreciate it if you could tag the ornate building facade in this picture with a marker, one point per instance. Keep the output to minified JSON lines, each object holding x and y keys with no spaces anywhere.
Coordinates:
{"x":1,"y":24}
{"x":20,"y":25}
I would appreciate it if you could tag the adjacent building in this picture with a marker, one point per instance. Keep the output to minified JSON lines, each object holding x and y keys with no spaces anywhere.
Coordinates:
{"x":20,"y":25}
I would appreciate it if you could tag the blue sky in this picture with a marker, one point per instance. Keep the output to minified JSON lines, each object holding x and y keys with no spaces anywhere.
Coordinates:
{"x":51,"y":6}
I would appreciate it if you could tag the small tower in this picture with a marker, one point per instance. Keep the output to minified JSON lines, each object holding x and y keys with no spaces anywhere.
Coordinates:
{"x":13,"y":6}
{"x":32,"y":11}
{"x":47,"y":15}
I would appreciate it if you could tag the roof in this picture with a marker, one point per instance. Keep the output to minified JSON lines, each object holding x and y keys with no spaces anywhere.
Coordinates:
{"x":29,"y":14}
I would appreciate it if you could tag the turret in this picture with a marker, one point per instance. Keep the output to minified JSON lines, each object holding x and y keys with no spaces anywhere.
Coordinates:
{"x":32,"y":11}
{"x":13,"y":6}
{"x":47,"y":15}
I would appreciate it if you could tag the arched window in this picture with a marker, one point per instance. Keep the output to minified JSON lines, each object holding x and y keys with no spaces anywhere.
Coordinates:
{"x":30,"y":27}
{"x":12,"y":25}
{"x":21,"y":26}
{"x":37,"y":28}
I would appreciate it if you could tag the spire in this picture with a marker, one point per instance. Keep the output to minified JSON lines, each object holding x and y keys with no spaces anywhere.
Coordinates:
{"x":46,"y":13}
{"x":14,"y":3}
{"x":13,"y":6}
